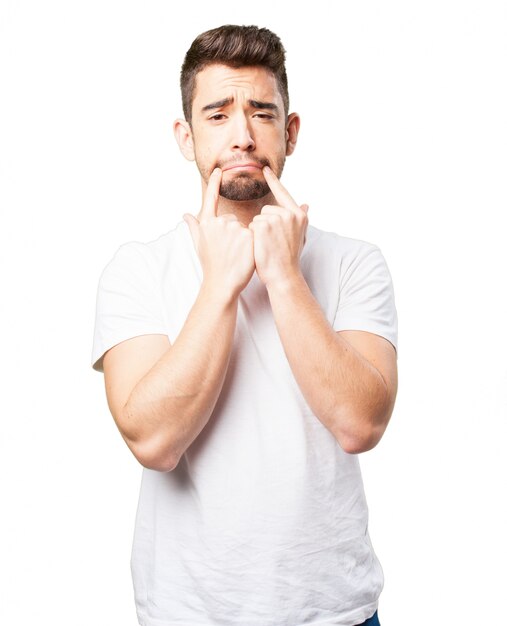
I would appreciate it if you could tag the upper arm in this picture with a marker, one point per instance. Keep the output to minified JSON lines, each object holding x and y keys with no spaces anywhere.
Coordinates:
{"x":381,"y":354}
{"x":125,"y":364}
{"x":366,"y":303}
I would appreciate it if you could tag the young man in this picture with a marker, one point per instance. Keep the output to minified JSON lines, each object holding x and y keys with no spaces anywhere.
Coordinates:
{"x":248,"y":357}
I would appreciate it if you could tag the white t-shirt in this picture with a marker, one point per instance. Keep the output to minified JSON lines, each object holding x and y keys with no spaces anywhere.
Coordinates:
{"x":264,"y":520}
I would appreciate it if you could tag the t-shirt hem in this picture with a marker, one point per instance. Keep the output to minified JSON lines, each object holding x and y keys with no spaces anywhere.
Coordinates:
{"x":101,"y":349}
{"x":354,"y":618}
{"x":368,"y":327}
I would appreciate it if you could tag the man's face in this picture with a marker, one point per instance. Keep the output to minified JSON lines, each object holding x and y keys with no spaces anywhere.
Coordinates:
{"x":238,"y":124}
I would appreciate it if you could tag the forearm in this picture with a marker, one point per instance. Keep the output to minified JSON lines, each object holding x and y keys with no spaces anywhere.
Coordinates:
{"x":342,"y":388}
{"x":172,"y":403}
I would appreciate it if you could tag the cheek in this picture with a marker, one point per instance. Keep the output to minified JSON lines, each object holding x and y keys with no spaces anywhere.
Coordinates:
{"x":208,"y":149}
{"x":278,"y":142}
{"x":204,"y":156}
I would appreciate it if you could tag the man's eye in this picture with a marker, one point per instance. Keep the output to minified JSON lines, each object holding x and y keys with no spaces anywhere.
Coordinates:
{"x":217,"y":116}
{"x":264,"y":116}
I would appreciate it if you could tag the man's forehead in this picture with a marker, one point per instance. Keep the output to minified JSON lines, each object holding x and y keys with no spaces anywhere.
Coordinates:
{"x":221,"y":81}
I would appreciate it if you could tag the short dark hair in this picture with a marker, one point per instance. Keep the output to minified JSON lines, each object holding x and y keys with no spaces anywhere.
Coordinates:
{"x":235,"y":46}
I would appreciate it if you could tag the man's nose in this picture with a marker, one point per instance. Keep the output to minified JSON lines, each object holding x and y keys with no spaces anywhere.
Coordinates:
{"x":242,"y":136}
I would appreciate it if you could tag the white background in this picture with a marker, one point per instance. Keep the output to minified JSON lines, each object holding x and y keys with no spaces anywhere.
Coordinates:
{"x":403,"y":143}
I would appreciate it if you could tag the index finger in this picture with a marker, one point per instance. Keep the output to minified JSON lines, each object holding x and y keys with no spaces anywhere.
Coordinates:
{"x":210,"y":202}
{"x":281,"y":194}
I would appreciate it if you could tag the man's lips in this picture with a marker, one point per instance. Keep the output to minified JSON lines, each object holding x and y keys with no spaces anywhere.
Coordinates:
{"x":248,"y":166}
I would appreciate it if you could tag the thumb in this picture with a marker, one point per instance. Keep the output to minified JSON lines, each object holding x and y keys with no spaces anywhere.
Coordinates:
{"x":193,"y":226}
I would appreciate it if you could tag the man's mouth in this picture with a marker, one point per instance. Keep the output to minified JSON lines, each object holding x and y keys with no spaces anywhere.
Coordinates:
{"x":242,"y":167}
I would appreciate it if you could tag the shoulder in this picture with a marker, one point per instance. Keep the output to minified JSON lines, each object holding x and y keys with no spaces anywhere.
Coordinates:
{"x":343,"y":253}
{"x":136,"y":256}
{"x":330,"y":241}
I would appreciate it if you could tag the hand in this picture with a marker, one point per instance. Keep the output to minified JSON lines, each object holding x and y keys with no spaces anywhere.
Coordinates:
{"x":279,"y":234}
{"x":223,"y":244}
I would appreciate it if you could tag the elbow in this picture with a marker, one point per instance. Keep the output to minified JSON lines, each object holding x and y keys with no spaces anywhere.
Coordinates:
{"x":152,"y":451}
{"x":363,"y":428}
{"x":157,"y":461}
{"x":363,"y":437}
{"x":167,"y":464}
{"x":358,"y":443}
{"x":154,"y":457}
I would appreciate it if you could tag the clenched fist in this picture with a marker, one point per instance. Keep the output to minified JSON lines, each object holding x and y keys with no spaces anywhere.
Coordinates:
{"x":279,"y":234}
{"x":224,"y":246}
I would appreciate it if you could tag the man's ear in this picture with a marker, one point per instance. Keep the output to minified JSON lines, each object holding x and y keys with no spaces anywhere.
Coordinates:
{"x":291,"y":132}
{"x":183,"y":135}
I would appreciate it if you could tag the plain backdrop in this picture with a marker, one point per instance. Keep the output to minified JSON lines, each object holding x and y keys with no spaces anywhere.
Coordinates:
{"x":403,"y":143}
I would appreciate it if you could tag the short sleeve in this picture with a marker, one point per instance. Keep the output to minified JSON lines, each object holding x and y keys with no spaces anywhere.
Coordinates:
{"x":129,"y":300}
{"x":366,"y":299}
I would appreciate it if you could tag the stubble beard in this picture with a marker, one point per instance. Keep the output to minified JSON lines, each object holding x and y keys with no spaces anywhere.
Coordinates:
{"x":243,"y":186}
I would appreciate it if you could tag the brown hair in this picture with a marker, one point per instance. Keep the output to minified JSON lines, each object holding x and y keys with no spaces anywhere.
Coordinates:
{"x":235,"y":46}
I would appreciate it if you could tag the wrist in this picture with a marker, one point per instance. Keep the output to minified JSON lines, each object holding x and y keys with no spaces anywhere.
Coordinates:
{"x":286,"y":283}
{"x":219,"y":293}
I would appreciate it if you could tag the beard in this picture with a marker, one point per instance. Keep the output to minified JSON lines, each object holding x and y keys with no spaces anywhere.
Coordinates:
{"x":243,"y":186}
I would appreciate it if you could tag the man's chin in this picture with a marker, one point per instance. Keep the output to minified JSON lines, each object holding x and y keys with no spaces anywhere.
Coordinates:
{"x":244,"y":188}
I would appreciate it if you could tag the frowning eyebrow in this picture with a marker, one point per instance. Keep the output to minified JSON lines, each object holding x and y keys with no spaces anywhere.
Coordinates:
{"x":253,"y":103}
